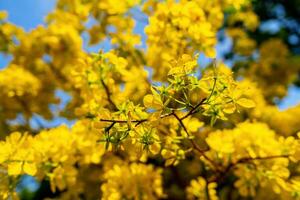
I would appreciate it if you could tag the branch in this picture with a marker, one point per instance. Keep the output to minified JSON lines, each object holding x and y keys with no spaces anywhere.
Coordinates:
{"x":109,"y":127}
{"x":133,"y":121}
{"x":215,"y":79}
{"x":213,"y":89}
{"x":57,"y":73}
{"x":123,"y":121}
{"x":245,"y":160}
{"x":194,"y":109}
{"x":195,"y":146}
{"x":242,"y":161}
{"x":108,"y":94}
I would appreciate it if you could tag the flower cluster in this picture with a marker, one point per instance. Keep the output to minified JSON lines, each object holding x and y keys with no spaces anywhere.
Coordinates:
{"x":134,"y":181}
{"x":176,"y":28}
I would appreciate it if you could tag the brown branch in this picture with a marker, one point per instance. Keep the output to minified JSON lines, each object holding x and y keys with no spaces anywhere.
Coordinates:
{"x":215,"y":80}
{"x":245,"y":160}
{"x":223,"y":173}
{"x":194,"y":109}
{"x":123,"y":121}
{"x":108,"y":94}
{"x":57,"y":73}
{"x":133,"y":121}
{"x":191,"y":112}
{"x":181,"y":122}
{"x":109,"y":127}
{"x":194,"y":144}
{"x":24,"y":105}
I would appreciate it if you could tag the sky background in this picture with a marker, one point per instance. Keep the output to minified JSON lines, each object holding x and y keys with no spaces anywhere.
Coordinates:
{"x":30,"y":13}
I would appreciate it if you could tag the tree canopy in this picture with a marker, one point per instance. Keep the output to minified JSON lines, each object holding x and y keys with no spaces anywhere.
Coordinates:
{"x":147,"y":117}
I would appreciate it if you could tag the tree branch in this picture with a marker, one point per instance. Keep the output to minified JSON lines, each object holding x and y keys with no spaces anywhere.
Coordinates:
{"x":194,"y":109}
{"x":223,"y":173}
{"x":133,"y":121}
{"x":194,"y":144}
{"x":108,"y":94}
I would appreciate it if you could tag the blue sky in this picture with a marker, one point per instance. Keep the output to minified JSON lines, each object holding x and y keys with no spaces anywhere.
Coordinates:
{"x":30,"y":13}
{"x":25,"y":13}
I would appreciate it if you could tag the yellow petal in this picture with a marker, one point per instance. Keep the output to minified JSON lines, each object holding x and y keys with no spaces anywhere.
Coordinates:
{"x":15,"y":168}
{"x":175,"y":70}
{"x":154,"y":148}
{"x":152,"y":102}
{"x":3,"y":15}
{"x":229,"y":108}
{"x":29,"y":168}
{"x":246,"y":103}
{"x":148,"y":99}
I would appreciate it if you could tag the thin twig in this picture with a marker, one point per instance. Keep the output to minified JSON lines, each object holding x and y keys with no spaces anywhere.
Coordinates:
{"x":108,"y":94}
{"x":107,"y":129}
{"x":193,"y":110}
{"x":215,"y":80}
{"x":139,"y":121}
{"x":242,"y":161}
{"x":122,"y":121}
{"x":195,"y":146}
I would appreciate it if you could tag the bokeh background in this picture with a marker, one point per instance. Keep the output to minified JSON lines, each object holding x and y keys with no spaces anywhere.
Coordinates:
{"x":278,"y":17}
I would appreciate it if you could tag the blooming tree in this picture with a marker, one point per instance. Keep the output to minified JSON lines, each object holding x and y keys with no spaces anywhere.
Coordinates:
{"x":150,"y":120}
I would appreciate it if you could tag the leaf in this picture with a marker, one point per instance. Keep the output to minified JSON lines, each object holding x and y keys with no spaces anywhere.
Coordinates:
{"x":246,"y":103}
{"x":213,"y":120}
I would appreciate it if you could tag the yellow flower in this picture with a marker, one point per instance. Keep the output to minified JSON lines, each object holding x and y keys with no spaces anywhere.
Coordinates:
{"x":132,"y":181}
{"x":200,"y":189}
